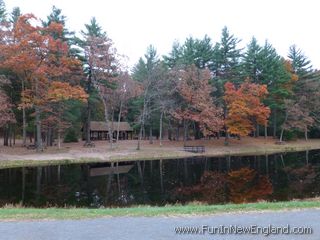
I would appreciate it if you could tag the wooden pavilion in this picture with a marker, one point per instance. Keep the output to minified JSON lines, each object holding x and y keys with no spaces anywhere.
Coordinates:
{"x":100,"y":130}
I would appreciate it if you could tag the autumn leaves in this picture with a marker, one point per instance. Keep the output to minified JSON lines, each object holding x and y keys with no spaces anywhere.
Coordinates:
{"x":41,"y":60}
{"x":244,"y":105}
{"x":245,"y":108}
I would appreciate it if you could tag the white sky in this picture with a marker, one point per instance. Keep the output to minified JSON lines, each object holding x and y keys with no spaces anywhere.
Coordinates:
{"x":134,"y":24}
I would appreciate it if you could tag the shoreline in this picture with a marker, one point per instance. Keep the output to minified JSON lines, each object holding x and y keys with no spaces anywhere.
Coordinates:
{"x":151,"y":152}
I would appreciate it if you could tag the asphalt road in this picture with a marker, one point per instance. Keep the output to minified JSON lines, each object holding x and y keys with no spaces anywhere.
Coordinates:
{"x":117,"y":228}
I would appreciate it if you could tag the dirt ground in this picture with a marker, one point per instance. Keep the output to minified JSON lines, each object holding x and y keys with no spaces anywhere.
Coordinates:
{"x":126,"y":150}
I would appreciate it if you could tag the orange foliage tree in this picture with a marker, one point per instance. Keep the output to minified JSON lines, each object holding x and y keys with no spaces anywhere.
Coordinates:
{"x":245,"y":108}
{"x":38,"y":59}
{"x":58,"y":94}
{"x":197,"y":103}
{"x":6,"y":113}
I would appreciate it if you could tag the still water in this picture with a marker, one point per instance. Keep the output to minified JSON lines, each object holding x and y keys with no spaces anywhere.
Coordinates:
{"x":236,"y":179}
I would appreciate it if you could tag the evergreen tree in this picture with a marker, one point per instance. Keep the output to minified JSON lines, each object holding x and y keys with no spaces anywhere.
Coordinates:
{"x":307,"y":88}
{"x":175,"y":56}
{"x":274,"y":74}
{"x":225,"y":62}
{"x":56,"y":16}
{"x":300,"y":63}
{"x":193,"y":51}
{"x":93,"y":29}
{"x":251,"y":61}
{"x":3,"y":11}
{"x":228,"y":56}
{"x":15,"y":14}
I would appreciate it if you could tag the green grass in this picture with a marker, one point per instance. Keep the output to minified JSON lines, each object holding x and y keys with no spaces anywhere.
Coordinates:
{"x":17,"y":213}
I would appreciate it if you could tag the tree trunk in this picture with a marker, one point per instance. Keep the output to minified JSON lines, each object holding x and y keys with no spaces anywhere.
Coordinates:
{"x":306,"y":134}
{"x":119,"y":118}
{"x":88,"y":123}
{"x":139,"y":139}
{"x":24,"y":121}
{"x":184,"y":132}
{"x":178,"y":133}
{"x":258,"y":130}
{"x":5,"y":135}
{"x":265,"y":131}
{"x":10,"y":134}
{"x":38,"y":120}
{"x":59,"y":139}
{"x":282,"y":128}
{"x":142,"y":120}
{"x":160,"y":130}
{"x":14,"y":136}
{"x":281,"y":135}
{"x":38,"y":130}
{"x":275,"y":123}
{"x":106,"y":117}
{"x":226,"y":139}
{"x":150,"y":135}
{"x":198,"y":132}
{"x":88,"y":127}
{"x":169,"y":130}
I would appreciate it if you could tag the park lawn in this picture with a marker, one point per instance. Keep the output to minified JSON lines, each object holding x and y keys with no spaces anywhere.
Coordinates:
{"x":126,"y":151}
{"x":19,"y":213}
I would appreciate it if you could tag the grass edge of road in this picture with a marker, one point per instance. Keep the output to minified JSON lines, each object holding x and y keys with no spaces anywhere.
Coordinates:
{"x":15,"y":213}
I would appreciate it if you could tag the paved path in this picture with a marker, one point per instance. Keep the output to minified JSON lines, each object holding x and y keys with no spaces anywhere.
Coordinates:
{"x":150,"y":228}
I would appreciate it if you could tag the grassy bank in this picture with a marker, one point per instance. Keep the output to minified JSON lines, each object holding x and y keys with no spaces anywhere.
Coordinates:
{"x":171,"y":210}
{"x":125,"y":151}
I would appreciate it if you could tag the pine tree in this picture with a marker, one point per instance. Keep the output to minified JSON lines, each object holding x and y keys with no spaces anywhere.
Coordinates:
{"x":91,"y":30}
{"x":300,"y":63}
{"x":228,"y":56}
{"x":148,"y":72}
{"x":274,"y":74}
{"x":193,"y":51}
{"x":15,"y":14}
{"x":3,"y":11}
{"x":251,"y":61}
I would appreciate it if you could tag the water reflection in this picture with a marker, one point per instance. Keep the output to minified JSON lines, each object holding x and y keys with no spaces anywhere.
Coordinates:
{"x":213,"y":180}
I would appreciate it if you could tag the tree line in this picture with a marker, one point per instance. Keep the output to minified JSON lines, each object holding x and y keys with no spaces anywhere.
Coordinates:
{"x":54,"y":83}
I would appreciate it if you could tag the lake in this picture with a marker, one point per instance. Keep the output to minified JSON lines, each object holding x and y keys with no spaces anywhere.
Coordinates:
{"x":237,"y":179}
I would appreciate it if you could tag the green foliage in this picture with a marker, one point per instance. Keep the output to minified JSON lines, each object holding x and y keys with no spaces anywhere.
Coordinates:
{"x":15,"y":14}
{"x":300,"y":63}
{"x":71,"y":136}
{"x":194,"y":51}
{"x":225,"y":63}
{"x":3,"y":11}
{"x":290,"y":135}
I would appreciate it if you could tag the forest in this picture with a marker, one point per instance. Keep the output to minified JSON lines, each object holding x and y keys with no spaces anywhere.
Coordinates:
{"x":54,"y":82}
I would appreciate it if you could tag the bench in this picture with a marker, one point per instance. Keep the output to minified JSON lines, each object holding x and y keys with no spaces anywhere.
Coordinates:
{"x":194,"y":149}
{"x":90,"y":144}
{"x":32,"y":146}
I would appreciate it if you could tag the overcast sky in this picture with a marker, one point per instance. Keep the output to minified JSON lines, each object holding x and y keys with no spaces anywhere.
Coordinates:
{"x":134,"y":24}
